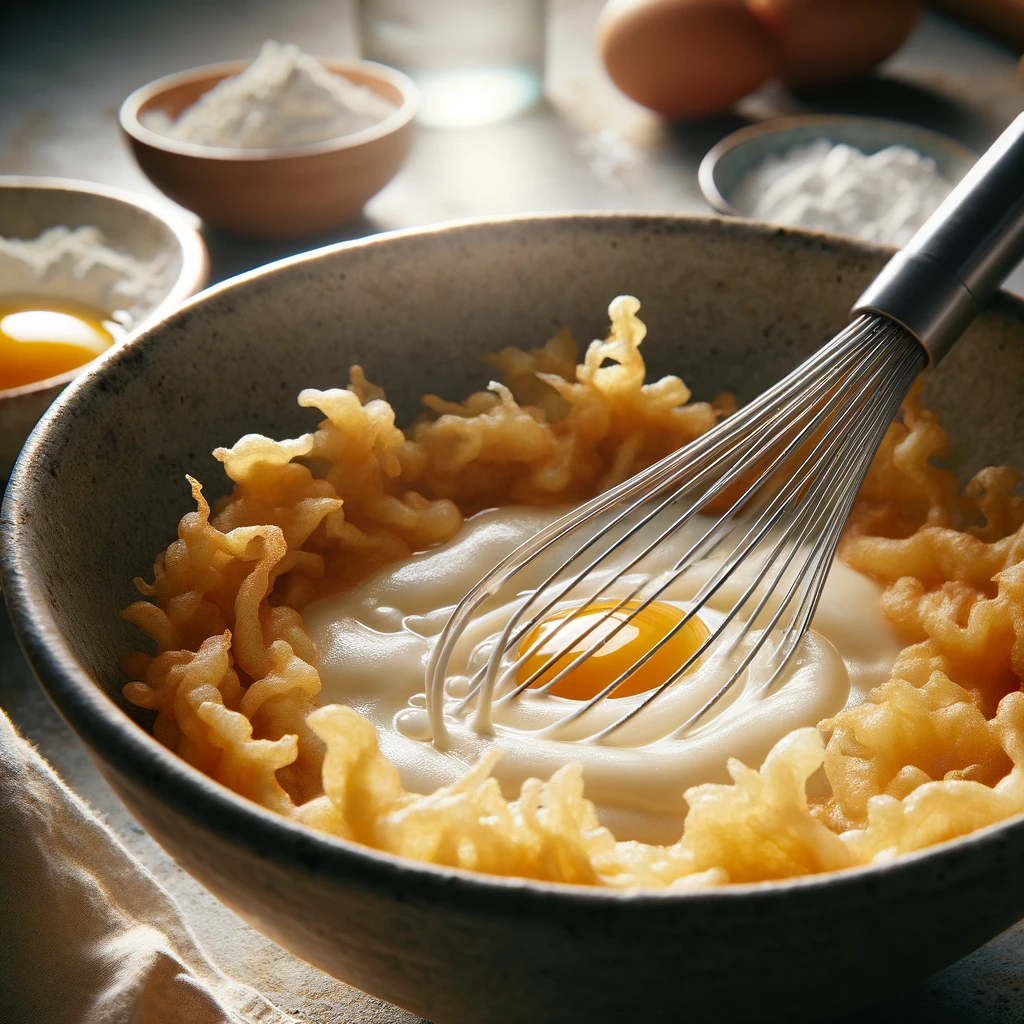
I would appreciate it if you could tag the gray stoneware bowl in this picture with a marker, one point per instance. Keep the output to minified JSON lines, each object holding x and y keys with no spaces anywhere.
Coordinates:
{"x":730,"y":304}
{"x":142,"y":227}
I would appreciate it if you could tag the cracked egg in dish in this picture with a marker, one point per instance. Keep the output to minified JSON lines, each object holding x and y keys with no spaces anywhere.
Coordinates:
{"x":292,"y":624}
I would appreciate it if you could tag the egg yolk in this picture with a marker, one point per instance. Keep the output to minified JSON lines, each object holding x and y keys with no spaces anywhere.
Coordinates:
{"x":39,"y":339}
{"x":616,"y":655}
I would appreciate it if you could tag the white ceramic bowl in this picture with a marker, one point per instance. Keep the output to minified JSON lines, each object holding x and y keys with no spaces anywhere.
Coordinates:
{"x":141,"y":227}
{"x":728,"y":162}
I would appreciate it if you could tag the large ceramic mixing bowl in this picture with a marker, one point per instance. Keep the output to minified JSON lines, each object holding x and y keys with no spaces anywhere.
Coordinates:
{"x":101,"y":485}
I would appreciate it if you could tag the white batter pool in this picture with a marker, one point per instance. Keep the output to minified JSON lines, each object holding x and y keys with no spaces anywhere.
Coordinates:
{"x":374,"y":641}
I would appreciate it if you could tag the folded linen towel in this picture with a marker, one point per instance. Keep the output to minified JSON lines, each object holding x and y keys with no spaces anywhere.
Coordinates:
{"x":87,"y":935}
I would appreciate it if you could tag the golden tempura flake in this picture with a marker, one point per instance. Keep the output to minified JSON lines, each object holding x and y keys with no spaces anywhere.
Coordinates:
{"x":935,"y":752}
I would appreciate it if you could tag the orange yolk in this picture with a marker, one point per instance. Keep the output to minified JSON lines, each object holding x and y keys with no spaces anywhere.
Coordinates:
{"x":40,"y":339}
{"x":616,"y":655}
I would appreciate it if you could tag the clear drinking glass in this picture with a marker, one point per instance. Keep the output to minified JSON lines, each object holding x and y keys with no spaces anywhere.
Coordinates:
{"x":474,"y":61}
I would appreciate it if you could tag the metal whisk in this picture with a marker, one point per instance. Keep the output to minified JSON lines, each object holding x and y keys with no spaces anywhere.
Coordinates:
{"x":780,"y":477}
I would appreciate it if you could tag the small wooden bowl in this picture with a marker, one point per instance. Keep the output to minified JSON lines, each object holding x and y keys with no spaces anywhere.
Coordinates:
{"x":271,"y":193}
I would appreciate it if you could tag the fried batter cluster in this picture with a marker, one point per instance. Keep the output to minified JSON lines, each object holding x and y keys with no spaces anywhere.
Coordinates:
{"x":953,"y":569}
{"x":935,"y":752}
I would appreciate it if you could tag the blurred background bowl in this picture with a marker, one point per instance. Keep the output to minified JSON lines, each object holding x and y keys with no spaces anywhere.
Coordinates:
{"x":140,"y":227}
{"x":729,"y":304}
{"x":272,"y":193}
{"x":729,"y":162}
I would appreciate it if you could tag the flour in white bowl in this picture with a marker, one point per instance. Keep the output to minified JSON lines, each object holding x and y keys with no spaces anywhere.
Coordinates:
{"x":884,"y":197}
{"x":81,"y":265}
{"x":283,"y":98}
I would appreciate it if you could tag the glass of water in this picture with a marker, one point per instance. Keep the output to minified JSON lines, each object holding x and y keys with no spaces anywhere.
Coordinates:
{"x":474,"y":61}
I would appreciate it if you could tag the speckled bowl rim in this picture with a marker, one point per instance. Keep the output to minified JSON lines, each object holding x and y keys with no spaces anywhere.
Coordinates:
{"x":136,"y":754}
{"x":128,"y":115}
{"x":195,"y":263}
{"x":781,"y":125}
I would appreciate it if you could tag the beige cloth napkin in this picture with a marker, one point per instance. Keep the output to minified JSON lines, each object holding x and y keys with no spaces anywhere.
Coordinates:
{"x":87,"y":935}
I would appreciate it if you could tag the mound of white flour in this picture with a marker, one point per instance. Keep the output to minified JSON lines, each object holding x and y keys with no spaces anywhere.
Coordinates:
{"x":283,"y":98}
{"x":884,"y":197}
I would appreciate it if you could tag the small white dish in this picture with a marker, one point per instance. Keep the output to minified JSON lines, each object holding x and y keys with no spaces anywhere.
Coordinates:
{"x":727,"y":163}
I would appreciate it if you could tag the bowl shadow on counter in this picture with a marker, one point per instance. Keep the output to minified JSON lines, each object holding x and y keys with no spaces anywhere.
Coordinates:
{"x":692,"y":139}
{"x":232,"y":254}
{"x":881,"y":96}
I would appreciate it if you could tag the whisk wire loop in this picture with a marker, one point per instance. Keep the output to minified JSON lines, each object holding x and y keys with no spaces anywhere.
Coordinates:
{"x":814,"y":571}
{"x":819,"y":496}
{"x":785,"y":412}
{"x":788,"y":467}
{"x":714,"y":443}
{"x":708,"y":541}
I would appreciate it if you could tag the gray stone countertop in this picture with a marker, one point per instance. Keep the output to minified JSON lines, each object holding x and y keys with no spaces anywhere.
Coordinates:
{"x":64,"y":69}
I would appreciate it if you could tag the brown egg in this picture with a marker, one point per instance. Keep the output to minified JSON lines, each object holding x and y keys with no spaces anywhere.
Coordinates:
{"x":684,"y":58}
{"x":823,"y":42}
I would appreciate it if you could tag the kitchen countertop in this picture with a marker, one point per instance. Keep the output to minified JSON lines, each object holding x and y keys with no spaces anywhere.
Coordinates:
{"x":64,"y":69}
